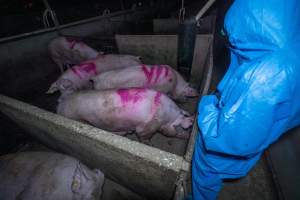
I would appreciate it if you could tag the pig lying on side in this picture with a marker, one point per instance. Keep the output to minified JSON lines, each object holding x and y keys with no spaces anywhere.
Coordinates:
{"x":159,"y":77}
{"x":66,"y":51}
{"x":123,"y":111}
{"x":77,"y":77}
{"x":47,"y":176}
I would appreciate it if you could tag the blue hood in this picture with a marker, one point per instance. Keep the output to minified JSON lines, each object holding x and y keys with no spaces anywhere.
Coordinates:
{"x":258,"y":99}
{"x":255,"y":27}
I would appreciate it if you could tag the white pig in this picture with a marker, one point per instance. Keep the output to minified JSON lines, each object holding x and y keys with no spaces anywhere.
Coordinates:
{"x":47,"y":176}
{"x":66,"y":51}
{"x":159,"y":77}
{"x":77,"y":77}
{"x":123,"y":111}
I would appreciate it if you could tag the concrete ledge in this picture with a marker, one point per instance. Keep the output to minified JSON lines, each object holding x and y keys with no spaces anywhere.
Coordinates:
{"x":146,"y":170}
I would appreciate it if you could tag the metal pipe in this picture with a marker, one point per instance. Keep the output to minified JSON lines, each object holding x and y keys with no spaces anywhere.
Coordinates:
{"x":186,"y":43}
{"x":204,"y":9}
{"x":55,"y":20}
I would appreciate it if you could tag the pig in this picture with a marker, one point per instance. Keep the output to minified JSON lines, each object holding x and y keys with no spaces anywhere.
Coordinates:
{"x":77,"y":77}
{"x":158,"y":77}
{"x":66,"y":52}
{"x":47,"y":176}
{"x":133,"y":110}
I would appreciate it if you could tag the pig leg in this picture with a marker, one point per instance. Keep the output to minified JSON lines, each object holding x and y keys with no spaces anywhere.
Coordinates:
{"x":145,"y":132}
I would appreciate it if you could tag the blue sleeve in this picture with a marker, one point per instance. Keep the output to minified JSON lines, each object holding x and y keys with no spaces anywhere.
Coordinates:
{"x":254,"y":115}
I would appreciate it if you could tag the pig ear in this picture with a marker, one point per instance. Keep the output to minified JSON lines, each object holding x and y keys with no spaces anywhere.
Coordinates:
{"x":53,"y":88}
{"x":77,"y":180}
{"x":187,"y":122}
{"x":64,"y":84}
{"x":80,"y":177}
{"x":100,"y":176}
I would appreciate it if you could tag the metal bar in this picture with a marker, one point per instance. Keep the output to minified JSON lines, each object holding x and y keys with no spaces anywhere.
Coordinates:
{"x":55,"y":20}
{"x":204,"y":9}
{"x":84,"y":21}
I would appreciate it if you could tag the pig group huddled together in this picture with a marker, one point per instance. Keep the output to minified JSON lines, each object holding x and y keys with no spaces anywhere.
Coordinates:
{"x":119,"y":93}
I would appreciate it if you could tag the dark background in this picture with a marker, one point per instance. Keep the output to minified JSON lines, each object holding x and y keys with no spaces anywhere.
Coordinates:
{"x":21,"y":16}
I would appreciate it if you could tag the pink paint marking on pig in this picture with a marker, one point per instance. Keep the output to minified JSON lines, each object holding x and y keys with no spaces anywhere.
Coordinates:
{"x":156,"y":103}
{"x":131,"y":96}
{"x":157,"y":99}
{"x":159,"y":70}
{"x":72,"y":42}
{"x":89,"y":68}
{"x":76,"y":72}
{"x":166,"y":70}
{"x":84,"y":70}
{"x":148,"y":74}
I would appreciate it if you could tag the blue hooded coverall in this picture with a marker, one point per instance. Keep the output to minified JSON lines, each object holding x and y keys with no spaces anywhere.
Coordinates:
{"x":257,"y":100}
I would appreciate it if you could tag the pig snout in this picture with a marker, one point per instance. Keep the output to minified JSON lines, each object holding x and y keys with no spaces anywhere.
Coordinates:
{"x":187,"y":122}
{"x":180,"y":128}
{"x":190,"y":91}
{"x":184,"y":129}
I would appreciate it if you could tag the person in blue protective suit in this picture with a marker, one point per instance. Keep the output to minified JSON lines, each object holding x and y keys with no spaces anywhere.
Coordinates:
{"x":257,"y":100}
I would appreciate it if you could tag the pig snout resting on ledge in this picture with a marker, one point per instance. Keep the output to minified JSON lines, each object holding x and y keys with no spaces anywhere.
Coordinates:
{"x":66,"y":52}
{"x":159,"y":77}
{"x":77,"y":77}
{"x":47,"y":176}
{"x":123,"y":111}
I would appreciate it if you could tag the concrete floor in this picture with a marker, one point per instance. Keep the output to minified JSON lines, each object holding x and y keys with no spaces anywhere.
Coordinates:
{"x":257,"y":185}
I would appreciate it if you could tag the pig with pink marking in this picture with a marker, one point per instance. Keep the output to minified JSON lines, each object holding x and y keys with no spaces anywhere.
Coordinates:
{"x":67,"y":51}
{"x":122,"y":111}
{"x":158,"y":77}
{"x":75,"y":78}
{"x":78,"y":76}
